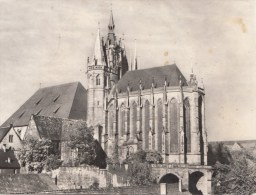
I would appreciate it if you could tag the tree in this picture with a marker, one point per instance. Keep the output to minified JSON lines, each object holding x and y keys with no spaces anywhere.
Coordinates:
{"x":39,"y":154}
{"x":89,"y":151}
{"x":218,"y":153}
{"x":139,"y":168}
{"x":238,"y":177}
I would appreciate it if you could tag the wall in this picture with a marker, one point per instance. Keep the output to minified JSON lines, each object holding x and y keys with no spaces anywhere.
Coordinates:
{"x":15,"y":183}
{"x":80,"y":177}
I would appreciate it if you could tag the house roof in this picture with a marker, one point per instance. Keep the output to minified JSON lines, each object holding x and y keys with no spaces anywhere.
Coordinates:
{"x":62,"y":101}
{"x":4,"y":164}
{"x":3,"y":132}
{"x":158,"y":75}
{"x":48,"y":127}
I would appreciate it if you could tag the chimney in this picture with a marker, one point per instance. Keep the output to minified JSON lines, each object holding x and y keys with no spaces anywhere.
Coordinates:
{"x":4,"y":147}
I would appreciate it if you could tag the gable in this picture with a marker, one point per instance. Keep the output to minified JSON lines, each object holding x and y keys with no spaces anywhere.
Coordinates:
{"x":32,"y":130}
{"x":14,"y":142}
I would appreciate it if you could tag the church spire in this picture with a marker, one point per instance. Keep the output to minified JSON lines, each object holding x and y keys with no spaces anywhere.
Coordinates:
{"x":111,"y":25}
{"x":135,"y":56}
{"x":98,"y":52}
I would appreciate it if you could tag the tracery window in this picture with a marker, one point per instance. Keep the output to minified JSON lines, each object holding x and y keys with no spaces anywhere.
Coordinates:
{"x":187,"y":125}
{"x":173,"y":125}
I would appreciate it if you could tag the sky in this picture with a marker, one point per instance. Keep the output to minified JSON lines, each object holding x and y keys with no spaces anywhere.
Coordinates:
{"x":44,"y":43}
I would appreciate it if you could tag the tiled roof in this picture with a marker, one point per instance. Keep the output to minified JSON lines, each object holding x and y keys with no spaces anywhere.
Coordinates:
{"x":3,"y":132}
{"x":48,"y":127}
{"x":158,"y":75}
{"x":62,"y":101}
{"x":4,"y":164}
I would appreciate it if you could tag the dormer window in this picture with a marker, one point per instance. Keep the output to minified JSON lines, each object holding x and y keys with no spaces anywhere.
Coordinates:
{"x":21,"y":114}
{"x":39,"y":101}
{"x":98,"y":80}
{"x":38,"y":112}
{"x":56,"y":98}
{"x":56,"y":110}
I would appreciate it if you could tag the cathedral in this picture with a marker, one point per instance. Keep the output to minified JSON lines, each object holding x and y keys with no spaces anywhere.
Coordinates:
{"x":149,"y":109}
{"x":130,"y":109}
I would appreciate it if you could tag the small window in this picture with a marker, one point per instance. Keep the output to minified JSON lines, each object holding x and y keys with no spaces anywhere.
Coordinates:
{"x":39,"y":101}
{"x":56,"y":110}
{"x":56,"y":98}
{"x":21,"y":114}
{"x":19,"y":131}
{"x":98,"y":80}
{"x":38,"y":112}
{"x":10,"y":138}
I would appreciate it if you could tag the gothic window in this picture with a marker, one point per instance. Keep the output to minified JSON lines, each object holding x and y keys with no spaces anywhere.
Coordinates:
{"x":111,"y":115}
{"x":187,"y":127}
{"x":145,"y":130}
{"x":133,"y":119}
{"x":150,"y":137}
{"x":173,"y":125}
{"x":163,"y":142}
{"x":200,"y":118}
{"x":98,"y":80}
{"x":100,"y":128}
{"x":159,"y":124}
{"x":122,"y":120}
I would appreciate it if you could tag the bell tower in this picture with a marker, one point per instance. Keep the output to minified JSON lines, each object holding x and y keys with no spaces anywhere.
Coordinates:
{"x":96,"y":79}
{"x":107,"y":66}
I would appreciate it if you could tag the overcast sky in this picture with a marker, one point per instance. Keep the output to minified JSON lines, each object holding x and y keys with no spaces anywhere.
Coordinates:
{"x":49,"y":41}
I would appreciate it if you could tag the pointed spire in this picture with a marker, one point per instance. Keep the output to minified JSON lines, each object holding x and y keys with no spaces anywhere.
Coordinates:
{"x":135,"y":56}
{"x":98,"y":51}
{"x":111,"y":25}
{"x":202,"y":83}
{"x":131,"y":60}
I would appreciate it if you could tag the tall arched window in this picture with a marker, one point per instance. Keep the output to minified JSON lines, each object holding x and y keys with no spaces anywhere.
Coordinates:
{"x":145,"y":130}
{"x":200,"y":118}
{"x":187,"y":126}
{"x":111,"y":115}
{"x":159,"y":124}
{"x":122,"y":120}
{"x":98,"y":80}
{"x":173,"y":125}
{"x":133,"y":119}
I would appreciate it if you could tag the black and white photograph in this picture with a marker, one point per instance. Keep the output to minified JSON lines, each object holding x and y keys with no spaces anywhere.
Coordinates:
{"x":128,"y":97}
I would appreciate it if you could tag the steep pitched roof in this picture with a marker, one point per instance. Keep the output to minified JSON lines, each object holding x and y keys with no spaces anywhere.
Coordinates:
{"x":57,"y":101}
{"x":171,"y":73}
{"x":4,"y":164}
{"x":48,"y":127}
{"x":3,"y":132}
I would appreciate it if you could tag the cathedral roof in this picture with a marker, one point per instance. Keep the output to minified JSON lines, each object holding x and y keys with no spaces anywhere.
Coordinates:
{"x":158,"y":75}
{"x":62,"y":101}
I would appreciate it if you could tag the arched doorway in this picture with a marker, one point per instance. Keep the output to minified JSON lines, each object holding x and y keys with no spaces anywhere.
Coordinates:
{"x":196,"y":181}
{"x":172,"y":183}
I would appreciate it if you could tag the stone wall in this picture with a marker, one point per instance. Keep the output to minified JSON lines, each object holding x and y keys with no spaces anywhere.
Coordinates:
{"x":22,"y":183}
{"x":80,"y":177}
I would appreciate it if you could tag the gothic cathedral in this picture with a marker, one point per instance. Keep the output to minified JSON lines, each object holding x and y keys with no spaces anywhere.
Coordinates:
{"x":148,"y":109}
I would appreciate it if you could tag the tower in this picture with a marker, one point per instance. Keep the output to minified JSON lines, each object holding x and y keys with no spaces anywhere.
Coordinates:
{"x":97,"y":81}
{"x":107,"y":66}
